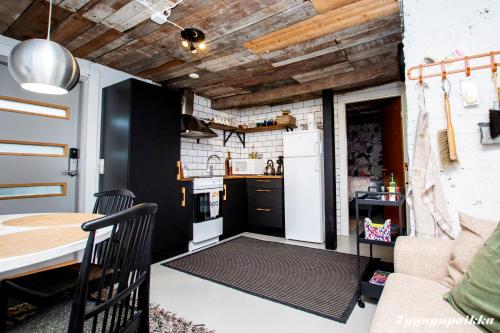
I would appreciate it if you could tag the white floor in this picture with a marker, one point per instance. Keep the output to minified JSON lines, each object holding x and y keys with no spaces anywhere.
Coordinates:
{"x":227,"y":310}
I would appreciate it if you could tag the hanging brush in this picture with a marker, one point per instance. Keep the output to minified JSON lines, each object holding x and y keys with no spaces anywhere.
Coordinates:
{"x":495,"y":111}
{"x":447,"y":146}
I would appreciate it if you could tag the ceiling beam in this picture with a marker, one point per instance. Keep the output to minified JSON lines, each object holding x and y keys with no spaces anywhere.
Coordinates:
{"x":379,"y":73}
{"x":354,"y":14}
{"x":11,"y":10}
{"x":323,"y":6}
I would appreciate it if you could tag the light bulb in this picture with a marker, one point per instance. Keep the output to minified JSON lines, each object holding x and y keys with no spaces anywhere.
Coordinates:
{"x":202,"y":46}
{"x":194,"y":51}
{"x":185,"y":43}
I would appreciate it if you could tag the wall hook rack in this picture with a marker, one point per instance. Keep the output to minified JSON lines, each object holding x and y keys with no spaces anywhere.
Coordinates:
{"x":436,"y":69}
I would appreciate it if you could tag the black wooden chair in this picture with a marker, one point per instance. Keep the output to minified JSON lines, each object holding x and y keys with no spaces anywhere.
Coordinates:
{"x":113,"y":201}
{"x":45,"y":287}
{"x":121,"y":301}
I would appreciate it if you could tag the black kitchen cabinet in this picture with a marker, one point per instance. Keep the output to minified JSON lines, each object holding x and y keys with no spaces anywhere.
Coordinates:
{"x":234,"y":207}
{"x":254,"y":205}
{"x":140,"y":145}
{"x":265,"y":206}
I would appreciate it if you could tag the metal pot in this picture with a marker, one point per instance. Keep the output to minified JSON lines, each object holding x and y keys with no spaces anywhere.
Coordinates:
{"x":270,"y":168}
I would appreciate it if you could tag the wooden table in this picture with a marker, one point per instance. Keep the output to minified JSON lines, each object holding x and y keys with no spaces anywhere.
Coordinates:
{"x":31,"y":243}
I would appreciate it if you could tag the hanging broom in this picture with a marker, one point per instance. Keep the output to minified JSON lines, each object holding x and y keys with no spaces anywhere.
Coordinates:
{"x":447,"y":146}
{"x":495,"y":111}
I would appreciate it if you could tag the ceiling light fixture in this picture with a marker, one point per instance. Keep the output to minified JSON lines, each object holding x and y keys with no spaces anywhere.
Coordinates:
{"x":192,"y":39}
{"x":194,"y":76}
{"x":44,"y":66}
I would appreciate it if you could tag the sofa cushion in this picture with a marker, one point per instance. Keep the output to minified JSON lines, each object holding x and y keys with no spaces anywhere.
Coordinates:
{"x":472,"y":237}
{"x":478,"y":294}
{"x":415,"y":305}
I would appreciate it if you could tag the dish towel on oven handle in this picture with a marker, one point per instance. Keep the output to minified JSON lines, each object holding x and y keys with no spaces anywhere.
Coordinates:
{"x":214,"y":204}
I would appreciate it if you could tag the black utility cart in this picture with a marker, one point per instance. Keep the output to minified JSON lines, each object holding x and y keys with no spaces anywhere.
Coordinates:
{"x":376,"y":199}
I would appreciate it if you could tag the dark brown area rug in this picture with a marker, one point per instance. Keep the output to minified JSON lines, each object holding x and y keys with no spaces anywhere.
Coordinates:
{"x":313,"y":280}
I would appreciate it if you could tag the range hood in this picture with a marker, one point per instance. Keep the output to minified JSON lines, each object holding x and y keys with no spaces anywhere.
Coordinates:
{"x":192,"y":127}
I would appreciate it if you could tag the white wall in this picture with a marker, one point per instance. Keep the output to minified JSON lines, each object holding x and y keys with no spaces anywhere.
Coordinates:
{"x":194,"y":155}
{"x":436,"y":28}
{"x":94,"y":77}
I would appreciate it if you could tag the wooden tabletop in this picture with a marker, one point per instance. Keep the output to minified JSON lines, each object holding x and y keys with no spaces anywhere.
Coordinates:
{"x":35,"y":233}
{"x":29,"y":240}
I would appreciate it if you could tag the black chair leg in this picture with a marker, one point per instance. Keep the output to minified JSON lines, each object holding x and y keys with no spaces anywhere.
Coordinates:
{"x":4,"y":303}
{"x":143,"y":304}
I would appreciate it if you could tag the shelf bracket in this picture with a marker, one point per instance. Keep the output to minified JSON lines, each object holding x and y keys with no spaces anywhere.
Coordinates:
{"x":242,"y":137}
{"x":227,"y":136}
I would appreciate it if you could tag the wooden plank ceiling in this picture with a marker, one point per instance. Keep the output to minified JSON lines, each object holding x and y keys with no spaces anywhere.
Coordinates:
{"x":259,"y":51}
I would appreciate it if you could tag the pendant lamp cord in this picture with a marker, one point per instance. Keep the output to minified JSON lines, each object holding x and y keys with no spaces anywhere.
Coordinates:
{"x":50,"y":19}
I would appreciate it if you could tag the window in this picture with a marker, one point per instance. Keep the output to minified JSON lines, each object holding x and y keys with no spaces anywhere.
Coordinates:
{"x":34,"y":190}
{"x":28,"y":148}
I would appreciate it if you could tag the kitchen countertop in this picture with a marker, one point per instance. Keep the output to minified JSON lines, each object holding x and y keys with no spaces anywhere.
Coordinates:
{"x":252,"y":177}
{"x":190,"y":179}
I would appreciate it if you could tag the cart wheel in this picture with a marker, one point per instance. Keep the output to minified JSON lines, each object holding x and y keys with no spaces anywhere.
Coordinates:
{"x":361,"y":303}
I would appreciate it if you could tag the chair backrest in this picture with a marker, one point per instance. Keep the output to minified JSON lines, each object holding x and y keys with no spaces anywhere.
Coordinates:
{"x":113,"y":201}
{"x":120,"y":299}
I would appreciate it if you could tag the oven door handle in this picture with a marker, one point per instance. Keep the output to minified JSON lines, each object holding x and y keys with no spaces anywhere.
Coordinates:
{"x":208,"y":191}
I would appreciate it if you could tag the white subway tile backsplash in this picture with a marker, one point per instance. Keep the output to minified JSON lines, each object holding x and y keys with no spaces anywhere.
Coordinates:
{"x":308,"y":103}
{"x":270,"y":144}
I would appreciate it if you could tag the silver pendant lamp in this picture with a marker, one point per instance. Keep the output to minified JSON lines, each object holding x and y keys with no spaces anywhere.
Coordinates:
{"x":44,"y":66}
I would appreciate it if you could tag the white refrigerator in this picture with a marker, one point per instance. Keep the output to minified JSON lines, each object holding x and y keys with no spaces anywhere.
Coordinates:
{"x":304,"y":187}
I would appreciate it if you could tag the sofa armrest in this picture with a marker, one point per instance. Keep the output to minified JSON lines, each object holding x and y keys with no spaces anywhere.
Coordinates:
{"x":422,"y":257}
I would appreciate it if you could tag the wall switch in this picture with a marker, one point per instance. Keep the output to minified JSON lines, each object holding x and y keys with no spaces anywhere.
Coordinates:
{"x":100,"y":166}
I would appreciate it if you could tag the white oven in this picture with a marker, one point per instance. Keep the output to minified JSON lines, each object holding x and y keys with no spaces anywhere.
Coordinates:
{"x":246,"y":166}
{"x":207,"y":222}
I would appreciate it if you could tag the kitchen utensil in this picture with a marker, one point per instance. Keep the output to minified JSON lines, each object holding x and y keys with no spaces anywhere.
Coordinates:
{"x":270,"y":168}
{"x":447,"y":146}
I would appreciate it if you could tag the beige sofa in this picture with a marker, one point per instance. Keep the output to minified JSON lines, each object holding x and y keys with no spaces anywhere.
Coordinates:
{"x":412,"y":300}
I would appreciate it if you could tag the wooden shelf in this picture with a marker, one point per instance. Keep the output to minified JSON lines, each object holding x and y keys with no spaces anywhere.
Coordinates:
{"x":267,"y":128}
{"x":222,"y":127}
{"x":240,"y":132}
{"x":251,"y":129}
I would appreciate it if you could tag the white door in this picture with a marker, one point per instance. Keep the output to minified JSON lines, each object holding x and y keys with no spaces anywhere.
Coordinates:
{"x":37,"y":134}
{"x":304,"y":207}
{"x":302,"y":143}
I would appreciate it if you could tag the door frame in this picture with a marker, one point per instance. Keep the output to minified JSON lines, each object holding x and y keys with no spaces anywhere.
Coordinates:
{"x":89,"y":138}
{"x":396,"y":89}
